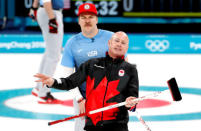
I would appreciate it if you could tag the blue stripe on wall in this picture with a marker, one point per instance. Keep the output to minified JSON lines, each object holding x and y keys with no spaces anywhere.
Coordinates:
{"x":138,"y":43}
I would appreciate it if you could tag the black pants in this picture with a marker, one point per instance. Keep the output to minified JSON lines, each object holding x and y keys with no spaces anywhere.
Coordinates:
{"x":109,"y":127}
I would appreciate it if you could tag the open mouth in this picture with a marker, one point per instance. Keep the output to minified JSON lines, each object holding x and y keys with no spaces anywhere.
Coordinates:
{"x":117,"y":49}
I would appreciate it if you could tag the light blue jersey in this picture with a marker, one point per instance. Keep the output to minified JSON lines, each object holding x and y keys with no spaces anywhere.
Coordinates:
{"x":79,"y":49}
{"x":56,"y":4}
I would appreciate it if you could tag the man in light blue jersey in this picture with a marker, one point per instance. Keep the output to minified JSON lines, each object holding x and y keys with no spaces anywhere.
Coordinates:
{"x":48,"y":14}
{"x":91,"y":42}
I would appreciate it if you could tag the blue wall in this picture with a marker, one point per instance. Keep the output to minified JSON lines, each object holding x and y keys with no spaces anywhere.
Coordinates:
{"x":139,"y":43}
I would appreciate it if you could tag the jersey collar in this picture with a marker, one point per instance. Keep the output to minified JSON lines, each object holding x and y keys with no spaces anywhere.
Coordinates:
{"x":95,"y":37}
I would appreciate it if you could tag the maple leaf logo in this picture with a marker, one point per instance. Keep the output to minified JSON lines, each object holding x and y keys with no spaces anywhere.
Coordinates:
{"x":96,"y":98}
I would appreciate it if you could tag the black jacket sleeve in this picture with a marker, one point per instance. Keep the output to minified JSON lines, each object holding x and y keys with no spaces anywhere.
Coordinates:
{"x":133,"y":84}
{"x":74,"y":80}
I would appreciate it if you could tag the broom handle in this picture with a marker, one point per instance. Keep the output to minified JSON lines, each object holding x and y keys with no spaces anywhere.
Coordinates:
{"x":155,"y":94}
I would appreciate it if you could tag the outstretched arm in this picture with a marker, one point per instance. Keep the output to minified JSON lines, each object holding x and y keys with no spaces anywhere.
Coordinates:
{"x":68,"y":83}
{"x":48,"y":8}
{"x":61,"y":84}
{"x":35,"y":4}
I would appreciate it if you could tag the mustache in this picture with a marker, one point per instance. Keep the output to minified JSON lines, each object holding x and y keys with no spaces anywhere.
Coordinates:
{"x":87,"y":24}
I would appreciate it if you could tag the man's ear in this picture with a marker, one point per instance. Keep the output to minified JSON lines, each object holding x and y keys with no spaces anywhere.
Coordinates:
{"x":96,"y":20}
{"x":109,"y":42}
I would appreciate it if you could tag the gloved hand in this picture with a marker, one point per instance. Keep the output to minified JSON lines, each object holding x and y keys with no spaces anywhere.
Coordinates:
{"x":33,"y":13}
{"x":53,"y":26}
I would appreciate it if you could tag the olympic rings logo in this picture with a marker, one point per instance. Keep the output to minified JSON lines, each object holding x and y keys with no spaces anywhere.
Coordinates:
{"x":157,"y":45}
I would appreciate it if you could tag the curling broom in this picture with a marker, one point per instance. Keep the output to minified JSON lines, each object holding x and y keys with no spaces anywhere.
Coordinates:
{"x":173,"y":88}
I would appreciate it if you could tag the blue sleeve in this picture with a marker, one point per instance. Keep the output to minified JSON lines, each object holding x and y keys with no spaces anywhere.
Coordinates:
{"x":67,"y":58}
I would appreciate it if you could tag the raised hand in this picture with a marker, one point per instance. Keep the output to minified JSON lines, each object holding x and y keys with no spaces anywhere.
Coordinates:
{"x":46,"y":80}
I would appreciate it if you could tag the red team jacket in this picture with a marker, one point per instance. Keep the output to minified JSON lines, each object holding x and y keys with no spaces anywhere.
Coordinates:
{"x":109,"y":81}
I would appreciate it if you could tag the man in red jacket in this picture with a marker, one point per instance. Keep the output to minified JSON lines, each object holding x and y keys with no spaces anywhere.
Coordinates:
{"x":109,"y":80}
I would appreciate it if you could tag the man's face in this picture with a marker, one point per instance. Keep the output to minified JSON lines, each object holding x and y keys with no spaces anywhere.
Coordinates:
{"x":87,"y":22}
{"x":118,"y":45}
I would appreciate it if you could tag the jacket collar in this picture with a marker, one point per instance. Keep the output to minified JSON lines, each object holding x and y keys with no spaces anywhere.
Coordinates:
{"x":117,"y":60}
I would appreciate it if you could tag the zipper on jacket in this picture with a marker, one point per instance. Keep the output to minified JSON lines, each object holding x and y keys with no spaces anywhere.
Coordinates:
{"x":106,"y":90}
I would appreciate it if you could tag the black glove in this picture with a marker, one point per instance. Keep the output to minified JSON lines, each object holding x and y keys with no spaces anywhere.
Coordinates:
{"x":53,"y":26}
{"x":33,"y":13}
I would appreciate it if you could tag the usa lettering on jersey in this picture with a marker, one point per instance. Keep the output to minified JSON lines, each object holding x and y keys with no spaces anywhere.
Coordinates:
{"x":92,"y":53}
